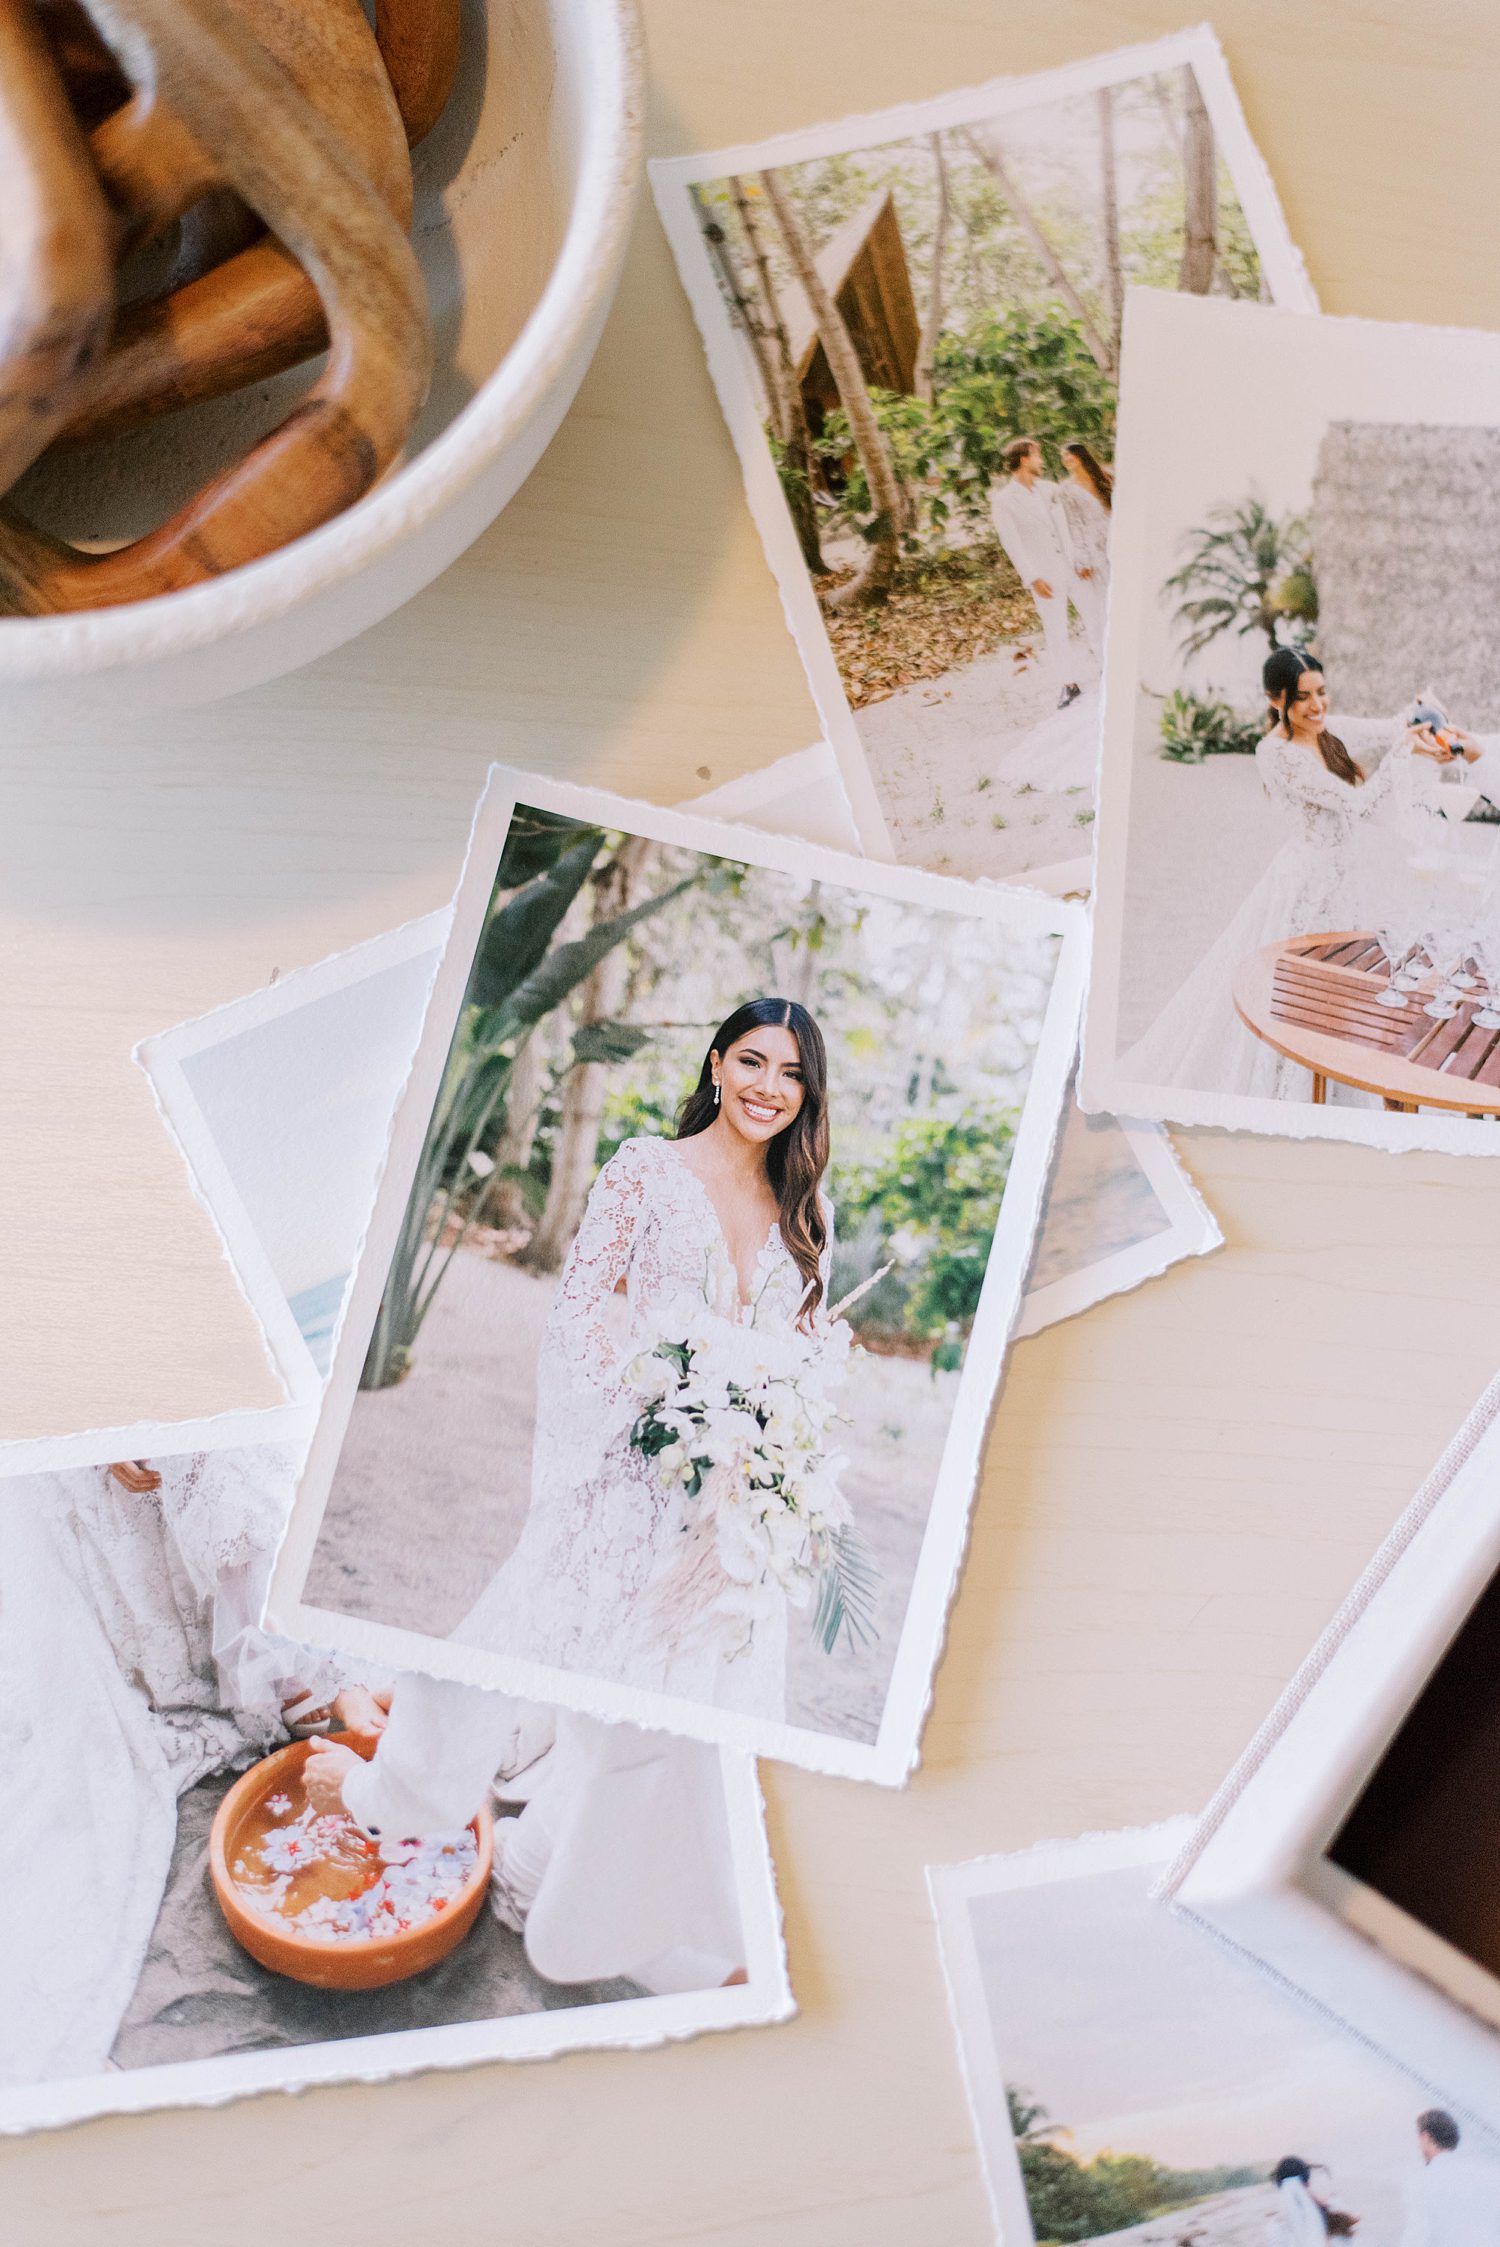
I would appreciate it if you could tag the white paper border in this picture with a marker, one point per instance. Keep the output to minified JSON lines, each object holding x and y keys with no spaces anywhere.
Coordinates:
{"x":1250,"y":1872}
{"x":1104,"y":1088}
{"x":981,"y":2040}
{"x":622,"y":2024}
{"x":1191,"y":1229}
{"x":894,"y":1753}
{"x":672,"y":181}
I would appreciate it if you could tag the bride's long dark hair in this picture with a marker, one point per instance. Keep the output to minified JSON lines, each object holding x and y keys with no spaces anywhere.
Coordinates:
{"x":1102,"y":478}
{"x":1282,"y":669}
{"x":797,"y":1157}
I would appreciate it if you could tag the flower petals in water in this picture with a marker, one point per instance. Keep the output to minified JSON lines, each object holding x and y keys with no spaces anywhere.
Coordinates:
{"x":326,"y":1878}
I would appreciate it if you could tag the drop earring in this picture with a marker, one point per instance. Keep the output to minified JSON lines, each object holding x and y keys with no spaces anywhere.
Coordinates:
{"x":716,"y":1092}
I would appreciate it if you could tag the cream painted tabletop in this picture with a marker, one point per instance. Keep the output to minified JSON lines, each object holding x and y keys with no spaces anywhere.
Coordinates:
{"x":1180,"y":1485}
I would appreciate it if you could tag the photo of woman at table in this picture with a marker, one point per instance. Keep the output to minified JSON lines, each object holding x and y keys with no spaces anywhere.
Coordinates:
{"x":1337,"y":779}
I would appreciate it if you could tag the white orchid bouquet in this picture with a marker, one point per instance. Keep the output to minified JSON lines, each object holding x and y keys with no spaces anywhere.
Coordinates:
{"x":737,"y":1422}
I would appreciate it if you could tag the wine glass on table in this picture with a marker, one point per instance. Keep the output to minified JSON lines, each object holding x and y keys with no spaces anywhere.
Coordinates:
{"x":1445,"y":937}
{"x":1399,"y":919}
{"x":1484,"y":950}
{"x":1484,"y":946}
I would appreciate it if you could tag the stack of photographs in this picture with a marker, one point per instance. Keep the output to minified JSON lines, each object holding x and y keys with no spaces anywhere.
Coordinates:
{"x":640,"y":1241}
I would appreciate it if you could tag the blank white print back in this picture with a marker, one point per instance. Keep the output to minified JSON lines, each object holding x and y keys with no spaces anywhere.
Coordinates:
{"x":1369,"y":447}
{"x":373,"y":1583}
{"x":969,"y":768}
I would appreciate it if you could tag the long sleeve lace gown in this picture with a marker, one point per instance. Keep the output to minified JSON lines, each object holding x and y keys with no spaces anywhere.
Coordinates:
{"x":131,"y":1667}
{"x":1318,"y":879}
{"x":601,"y":1533}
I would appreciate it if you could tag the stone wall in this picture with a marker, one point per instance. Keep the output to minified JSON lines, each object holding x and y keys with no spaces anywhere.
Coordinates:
{"x":1406,"y":543}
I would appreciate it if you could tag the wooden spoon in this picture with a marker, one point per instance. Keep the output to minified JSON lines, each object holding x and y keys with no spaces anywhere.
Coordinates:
{"x":56,"y":271}
{"x":216,"y":81}
{"x":256,"y":313}
{"x":419,"y":40}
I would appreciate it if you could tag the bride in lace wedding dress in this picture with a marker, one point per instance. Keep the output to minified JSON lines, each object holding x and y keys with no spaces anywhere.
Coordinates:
{"x":1336,"y":778}
{"x":131,"y":1667}
{"x":729,"y":1212}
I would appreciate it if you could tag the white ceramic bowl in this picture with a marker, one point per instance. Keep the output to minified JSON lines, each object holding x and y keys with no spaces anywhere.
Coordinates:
{"x":525,"y":191}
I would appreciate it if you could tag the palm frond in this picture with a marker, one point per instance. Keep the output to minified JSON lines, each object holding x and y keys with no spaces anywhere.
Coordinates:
{"x":848,"y":1595}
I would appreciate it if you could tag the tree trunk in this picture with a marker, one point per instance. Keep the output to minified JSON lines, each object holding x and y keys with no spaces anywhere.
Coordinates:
{"x":600,"y":999}
{"x":1114,"y":280}
{"x":932,"y":318}
{"x":1200,"y":192}
{"x":874,"y":580}
{"x":523,"y":1097}
{"x":999,"y":171}
{"x":719,"y":251}
{"x":789,"y":413}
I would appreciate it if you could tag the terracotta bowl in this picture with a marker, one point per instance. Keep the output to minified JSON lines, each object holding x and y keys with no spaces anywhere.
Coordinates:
{"x":525,"y":190}
{"x":333,"y":1966}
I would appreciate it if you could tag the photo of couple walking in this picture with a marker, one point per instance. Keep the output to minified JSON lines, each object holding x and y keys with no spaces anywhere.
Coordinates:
{"x":1452,"y":2200}
{"x":1133,"y":2080}
{"x":919,"y":335}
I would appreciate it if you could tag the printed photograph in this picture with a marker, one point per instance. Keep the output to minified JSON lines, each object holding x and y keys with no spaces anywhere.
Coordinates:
{"x":686,"y":1341}
{"x":1132,"y":2081}
{"x":235,"y":1858}
{"x":1303,"y":779}
{"x":929,"y":327}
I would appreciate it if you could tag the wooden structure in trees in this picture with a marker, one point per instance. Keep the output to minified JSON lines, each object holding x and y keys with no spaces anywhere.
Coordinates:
{"x":865,"y":271}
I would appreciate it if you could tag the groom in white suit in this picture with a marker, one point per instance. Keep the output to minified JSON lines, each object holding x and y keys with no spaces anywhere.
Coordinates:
{"x":1457,"y":2200}
{"x":1033,"y":529}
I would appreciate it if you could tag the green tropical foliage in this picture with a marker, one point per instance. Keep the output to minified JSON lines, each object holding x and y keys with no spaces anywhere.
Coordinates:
{"x":1073,"y":2200}
{"x":1195,"y":726}
{"x":1026,"y":371}
{"x":1243,"y":572}
{"x":520,"y":976}
{"x":933,"y":1199}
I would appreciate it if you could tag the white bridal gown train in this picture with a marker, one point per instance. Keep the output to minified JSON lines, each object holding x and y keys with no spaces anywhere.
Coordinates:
{"x":600,"y":1533}
{"x":1318,"y":879}
{"x":1060,"y":753}
{"x":130,"y":1668}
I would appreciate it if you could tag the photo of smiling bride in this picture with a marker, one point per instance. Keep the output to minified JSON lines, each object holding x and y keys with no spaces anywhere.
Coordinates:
{"x":638,"y":1557}
{"x":1298,"y":897}
{"x":672,"y":1345}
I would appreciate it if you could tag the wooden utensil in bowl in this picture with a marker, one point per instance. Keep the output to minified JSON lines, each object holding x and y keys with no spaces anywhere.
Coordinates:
{"x":261,"y":136}
{"x":56,"y":268}
{"x":419,"y":41}
{"x":257,"y":312}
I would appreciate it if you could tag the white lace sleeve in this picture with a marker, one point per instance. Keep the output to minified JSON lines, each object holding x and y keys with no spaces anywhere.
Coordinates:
{"x":580,"y":1343}
{"x":1292,"y":776}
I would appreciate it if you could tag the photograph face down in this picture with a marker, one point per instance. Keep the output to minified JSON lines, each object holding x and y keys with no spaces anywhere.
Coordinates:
{"x":1302,"y":780}
{"x":695,"y":1289}
{"x":925,"y":330}
{"x":1132,"y":2081}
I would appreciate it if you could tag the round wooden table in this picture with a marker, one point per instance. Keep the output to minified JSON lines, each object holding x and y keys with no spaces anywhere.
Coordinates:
{"x":1314,"y":998}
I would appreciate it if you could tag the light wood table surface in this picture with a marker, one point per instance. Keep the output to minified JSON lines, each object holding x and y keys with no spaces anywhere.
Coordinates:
{"x":1180,"y":1486}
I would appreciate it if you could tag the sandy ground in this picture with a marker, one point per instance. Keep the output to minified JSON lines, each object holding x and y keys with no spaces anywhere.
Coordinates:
{"x":200,"y":1995}
{"x":1099,"y":1200}
{"x":1229,"y":2219}
{"x":934,"y":750}
{"x":434,"y":1483}
{"x":1200,"y":837}
{"x":1239,"y":2219}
